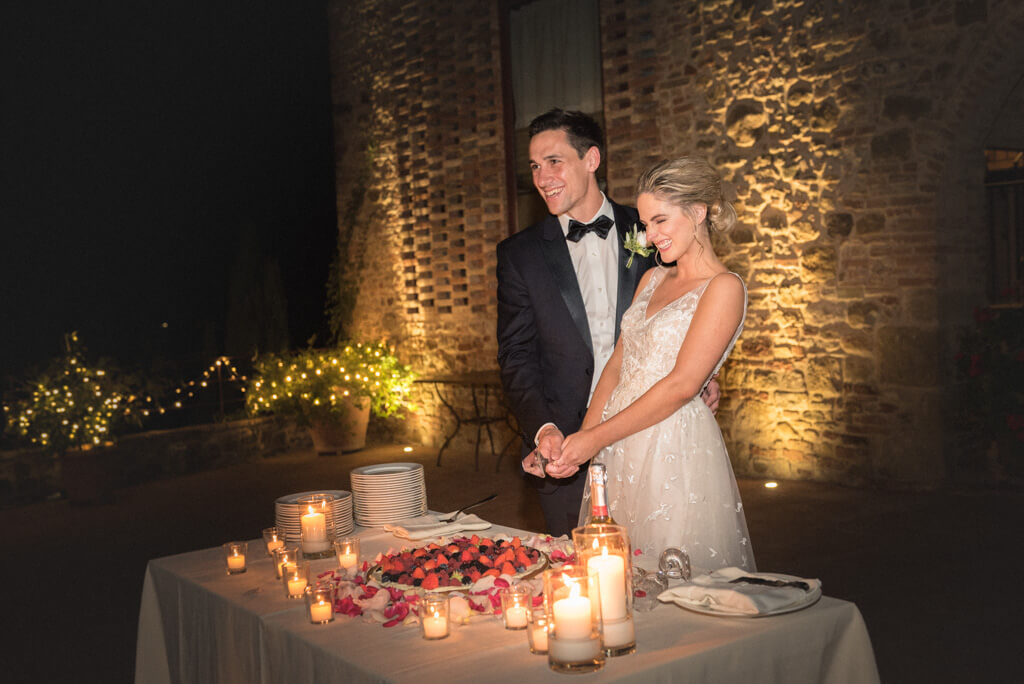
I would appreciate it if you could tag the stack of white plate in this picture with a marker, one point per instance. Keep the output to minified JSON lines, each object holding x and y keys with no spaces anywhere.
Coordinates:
{"x":289,"y":514}
{"x":388,"y":492}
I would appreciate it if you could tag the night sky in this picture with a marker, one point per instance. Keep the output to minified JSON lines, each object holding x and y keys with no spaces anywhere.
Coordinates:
{"x":143,"y":145}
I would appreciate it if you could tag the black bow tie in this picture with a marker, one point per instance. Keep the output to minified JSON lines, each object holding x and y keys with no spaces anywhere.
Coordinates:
{"x":601,"y":225}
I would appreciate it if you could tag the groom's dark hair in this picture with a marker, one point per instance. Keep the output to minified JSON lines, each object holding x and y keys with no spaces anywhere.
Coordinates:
{"x":583,"y":131}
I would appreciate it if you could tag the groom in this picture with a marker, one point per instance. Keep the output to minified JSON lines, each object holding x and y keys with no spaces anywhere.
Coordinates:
{"x":563,"y":286}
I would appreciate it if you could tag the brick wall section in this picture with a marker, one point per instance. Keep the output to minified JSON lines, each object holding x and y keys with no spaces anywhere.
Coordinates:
{"x":850,"y":134}
{"x":417,"y":91}
{"x":838,"y":127}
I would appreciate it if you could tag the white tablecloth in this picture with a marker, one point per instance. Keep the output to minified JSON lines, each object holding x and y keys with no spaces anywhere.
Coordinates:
{"x":197,"y":624}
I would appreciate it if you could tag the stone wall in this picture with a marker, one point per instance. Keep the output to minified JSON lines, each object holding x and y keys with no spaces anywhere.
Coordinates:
{"x":421,"y":182}
{"x":850,"y":134}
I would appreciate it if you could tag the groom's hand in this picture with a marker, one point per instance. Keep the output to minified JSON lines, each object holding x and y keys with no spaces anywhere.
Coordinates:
{"x":549,"y":446}
{"x":712,"y":394}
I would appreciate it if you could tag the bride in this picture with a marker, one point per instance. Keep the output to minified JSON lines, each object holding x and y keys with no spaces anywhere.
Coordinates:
{"x":669,"y":478}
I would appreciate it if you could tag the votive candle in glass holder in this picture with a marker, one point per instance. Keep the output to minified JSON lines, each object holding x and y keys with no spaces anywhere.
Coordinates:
{"x":434,"y":616}
{"x":234,"y":556}
{"x":295,"y":577}
{"x":316,"y":530}
{"x":347,"y":550}
{"x":537,"y":630}
{"x":285,"y":554}
{"x":605,"y":548}
{"x":572,"y":597}
{"x":320,"y":601}
{"x":273,"y":539}
{"x":515,"y":605}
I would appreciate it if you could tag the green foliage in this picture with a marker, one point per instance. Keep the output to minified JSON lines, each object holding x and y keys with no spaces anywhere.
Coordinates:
{"x":315,"y":382}
{"x":72,"y":404}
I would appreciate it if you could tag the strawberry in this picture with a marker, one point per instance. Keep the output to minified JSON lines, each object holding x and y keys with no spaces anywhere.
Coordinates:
{"x":419,"y":573}
{"x":516,"y":543}
{"x":474,"y":539}
{"x":431,"y":581}
{"x":508,"y":569}
{"x":493,"y":572}
{"x":441,"y":559}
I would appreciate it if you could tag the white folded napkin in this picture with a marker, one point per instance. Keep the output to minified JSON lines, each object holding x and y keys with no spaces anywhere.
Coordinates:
{"x":715,"y":592}
{"x":428,"y":526}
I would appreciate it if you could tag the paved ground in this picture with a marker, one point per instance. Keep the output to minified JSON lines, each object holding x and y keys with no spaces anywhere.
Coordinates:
{"x":928,"y":570}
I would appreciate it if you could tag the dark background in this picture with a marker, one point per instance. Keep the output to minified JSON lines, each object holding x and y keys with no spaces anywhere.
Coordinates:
{"x":149,"y":151}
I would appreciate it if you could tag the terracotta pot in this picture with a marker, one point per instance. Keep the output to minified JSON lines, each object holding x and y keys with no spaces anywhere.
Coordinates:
{"x":89,"y":476}
{"x":343,"y":431}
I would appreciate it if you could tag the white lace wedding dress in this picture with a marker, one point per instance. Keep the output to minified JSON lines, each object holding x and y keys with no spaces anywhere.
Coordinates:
{"x":671,"y":484}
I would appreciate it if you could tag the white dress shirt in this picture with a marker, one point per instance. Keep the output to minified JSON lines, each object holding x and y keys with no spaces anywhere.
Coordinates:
{"x":596,"y":262}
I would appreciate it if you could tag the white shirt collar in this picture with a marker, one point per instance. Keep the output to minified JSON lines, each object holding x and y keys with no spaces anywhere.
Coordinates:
{"x":605,"y":210}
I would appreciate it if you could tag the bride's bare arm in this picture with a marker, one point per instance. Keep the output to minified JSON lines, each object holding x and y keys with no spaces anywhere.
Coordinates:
{"x":714,"y":322}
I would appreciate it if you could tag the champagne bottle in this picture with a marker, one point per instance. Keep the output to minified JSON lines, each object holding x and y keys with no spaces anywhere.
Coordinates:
{"x":598,"y":496}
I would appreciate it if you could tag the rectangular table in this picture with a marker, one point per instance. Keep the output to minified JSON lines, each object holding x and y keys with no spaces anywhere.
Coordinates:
{"x":197,"y":624}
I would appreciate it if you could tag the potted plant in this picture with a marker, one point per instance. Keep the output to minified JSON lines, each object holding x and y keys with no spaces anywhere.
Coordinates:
{"x":332,"y":391}
{"x":72,"y":411}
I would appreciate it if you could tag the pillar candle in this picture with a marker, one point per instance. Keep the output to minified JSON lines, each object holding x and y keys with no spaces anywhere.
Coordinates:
{"x":572,"y":617}
{"x":314,"y":531}
{"x":611,"y":572}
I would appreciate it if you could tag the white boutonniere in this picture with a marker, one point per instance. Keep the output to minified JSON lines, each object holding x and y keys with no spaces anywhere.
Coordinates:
{"x":636,"y":243}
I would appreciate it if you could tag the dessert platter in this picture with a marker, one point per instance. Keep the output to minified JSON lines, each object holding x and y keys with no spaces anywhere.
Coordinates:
{"x":457,"y":563}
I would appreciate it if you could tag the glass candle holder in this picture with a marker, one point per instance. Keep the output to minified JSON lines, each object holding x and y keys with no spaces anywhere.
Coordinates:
{"x":537,"y":630}
{"x":272,"y":539}
{"x":515,"y":605}
{"x":317,"y":532}
{"x":295,"y":577}
{"x":347,"y":550}
{"x":572,"y":596}
{"x":605,"y":549}
{"x":285,"y":554}
{"x":434,"y":616}
{"x":234,"y":556}
{"x":320,"y":601}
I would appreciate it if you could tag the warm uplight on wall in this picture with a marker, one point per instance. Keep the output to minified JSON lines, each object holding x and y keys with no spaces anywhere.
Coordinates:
{"x":771,"y":485}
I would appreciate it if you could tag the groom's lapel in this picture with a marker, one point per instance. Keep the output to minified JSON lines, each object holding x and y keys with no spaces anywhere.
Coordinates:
{"x":627,"y":276}
{"x":556,"y":255}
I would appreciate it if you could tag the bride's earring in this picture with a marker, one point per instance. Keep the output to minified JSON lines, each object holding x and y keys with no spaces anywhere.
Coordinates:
{"x":657,"y":259}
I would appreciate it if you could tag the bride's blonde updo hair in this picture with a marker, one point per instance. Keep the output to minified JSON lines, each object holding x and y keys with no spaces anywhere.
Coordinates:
{"x":688,"y":181}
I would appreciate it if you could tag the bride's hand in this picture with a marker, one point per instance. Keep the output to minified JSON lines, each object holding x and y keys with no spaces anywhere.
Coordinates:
{"x":577,"y":449}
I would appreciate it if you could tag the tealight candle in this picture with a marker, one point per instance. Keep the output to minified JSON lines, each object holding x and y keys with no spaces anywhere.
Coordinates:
{"x":234,"y":557}
{"x":515,"y":617}
{"x":320,"y":601}
{"x":272,"y":539}
{"x":320,"y":611}
{"x":514,"y":602}
{"x":295,"y":581}
{"x":537,"y":631}
{"x":347,"y":550}
{"x":434,"y":616}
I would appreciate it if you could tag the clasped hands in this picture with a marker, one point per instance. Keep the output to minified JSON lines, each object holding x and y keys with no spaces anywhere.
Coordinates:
{"x":561,"y":457}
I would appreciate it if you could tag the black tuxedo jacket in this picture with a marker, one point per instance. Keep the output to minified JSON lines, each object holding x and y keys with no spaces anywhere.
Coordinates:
{"x":544,"y":345}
